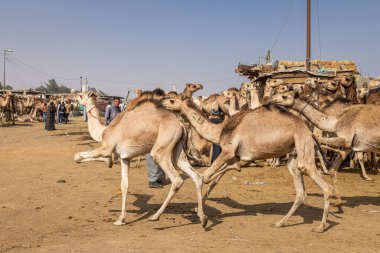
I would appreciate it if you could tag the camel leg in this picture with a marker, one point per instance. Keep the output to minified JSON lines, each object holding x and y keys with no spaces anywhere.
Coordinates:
{"x":333,"y":174}
{"x":124,"y":191}
{"x":375,"y":167}
{"x":221,"y":161}
{"x":320,"y":157}
{"x":300,"y":191}
{"x":165,"y":162}
{"x":184,"y":165}
{"x":338,"y":142}
{"x":327,"y":194}
{"x":360,"y":157}
{"x":218,"y":175}
{"x":99,"y":154}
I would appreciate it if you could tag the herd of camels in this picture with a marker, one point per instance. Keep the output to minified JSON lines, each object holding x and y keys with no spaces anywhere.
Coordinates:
{"x":276,"y":122}
{"x":279,"y":121}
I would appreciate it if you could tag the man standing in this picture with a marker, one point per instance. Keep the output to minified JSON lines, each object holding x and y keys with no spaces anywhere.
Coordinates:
{"x":50,"y":115}
{"x":112,"y":111}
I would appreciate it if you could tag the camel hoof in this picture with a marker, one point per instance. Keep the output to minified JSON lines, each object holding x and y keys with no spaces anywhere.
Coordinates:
{"x":204,"y":220}
{"x":109,"y":162}
{"x":339,"y":203}
{"x":153,"y":218}
{"x":276,"y":225}
{"x":119,"y":223}
{"x":320,"y":229}
{"x":368,"y":179}
{"x":77,"y":157}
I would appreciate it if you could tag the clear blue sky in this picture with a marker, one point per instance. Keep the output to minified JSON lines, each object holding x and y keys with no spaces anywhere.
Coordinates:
{"x":120,"y":43}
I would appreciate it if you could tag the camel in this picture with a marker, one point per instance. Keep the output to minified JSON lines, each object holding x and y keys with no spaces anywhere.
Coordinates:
{"x":7,"y":107}
{"x":95,"y":126}
{"x":190,"y":88}
{"x":263,"y":133}
{"x":148,"y":128}
{"x":357,"y":128}
{"x":336,"y":107}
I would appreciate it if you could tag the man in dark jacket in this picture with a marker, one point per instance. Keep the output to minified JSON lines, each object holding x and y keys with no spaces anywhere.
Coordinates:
{"x":112,"y":111}
{"x":50,"y":115}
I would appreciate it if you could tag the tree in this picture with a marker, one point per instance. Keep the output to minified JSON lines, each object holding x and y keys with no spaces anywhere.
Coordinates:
{"x":52,"y":87}
{"x":7,"y":87}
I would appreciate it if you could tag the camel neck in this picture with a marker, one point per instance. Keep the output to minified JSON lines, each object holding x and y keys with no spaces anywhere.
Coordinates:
{"x":95,"y":127}
{"x":202,"y":124}
{"x":319,"y":119}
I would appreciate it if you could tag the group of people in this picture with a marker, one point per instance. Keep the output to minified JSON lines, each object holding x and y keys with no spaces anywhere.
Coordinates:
{"x":52,"y":114}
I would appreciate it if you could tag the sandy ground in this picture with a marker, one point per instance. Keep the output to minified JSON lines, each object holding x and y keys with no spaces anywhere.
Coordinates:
{"x":48,"y":203}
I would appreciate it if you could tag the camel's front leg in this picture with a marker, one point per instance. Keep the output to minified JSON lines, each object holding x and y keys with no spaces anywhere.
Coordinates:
{"x":336,"y":142}
{"x":218,"y":165}
{"x":93,"y":155}
{"x":124,"y":191}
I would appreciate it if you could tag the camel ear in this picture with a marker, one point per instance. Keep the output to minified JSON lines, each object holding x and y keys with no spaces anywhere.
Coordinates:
{"x":92,"y":94}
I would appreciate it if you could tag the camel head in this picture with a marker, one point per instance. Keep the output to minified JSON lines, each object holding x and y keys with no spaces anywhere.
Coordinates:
{"x":311,"y":82}
{"x":172,"y":95}
{"x":274,"y":82}
{"x":137,"y":91}
{"x":297,"y":87}
{"x":86,"y":98}
{"x":193,"y":87}
{"x":346,"y":81}
{"x":285,"y":99}
{"x":362,"y":92}
{"x":230,"y":93}
{"x":174,"y":104}
{"x":282,"y":88}
{"x":330,"y":85}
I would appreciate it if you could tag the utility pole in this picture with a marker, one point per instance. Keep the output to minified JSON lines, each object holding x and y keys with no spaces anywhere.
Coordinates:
{"x":81,"y":88}
{"x":5,"y":54}
{"x":308,"y":38}
{"x":86,"y":87}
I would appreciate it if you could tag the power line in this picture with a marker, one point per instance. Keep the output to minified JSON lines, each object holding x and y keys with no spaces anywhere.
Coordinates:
{"x":286,"y":17}
{"x":42,"y":72}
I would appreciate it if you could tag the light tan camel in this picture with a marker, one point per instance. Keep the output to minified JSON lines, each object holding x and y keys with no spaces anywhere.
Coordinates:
{"x":259,"y":134}
{"x":147,"y":128}
{"x":95,"y":126}
{"x":336,"y":107}
{"x":357,"y":128}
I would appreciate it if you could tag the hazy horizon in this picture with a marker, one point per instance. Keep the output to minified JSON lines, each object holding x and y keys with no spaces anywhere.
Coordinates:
{"x":147,"y":44}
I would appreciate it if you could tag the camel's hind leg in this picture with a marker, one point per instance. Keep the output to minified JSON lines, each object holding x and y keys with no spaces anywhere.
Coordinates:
{"x":184,"y":165}
{"x":124,"y":191}
{"x":166,"y":164}
{"x":299,"y":187}
{"x":162,"y":154}
{"x":360,"y":157}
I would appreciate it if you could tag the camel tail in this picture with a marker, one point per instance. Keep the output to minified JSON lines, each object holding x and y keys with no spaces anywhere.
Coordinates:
{"x":316,"y":142}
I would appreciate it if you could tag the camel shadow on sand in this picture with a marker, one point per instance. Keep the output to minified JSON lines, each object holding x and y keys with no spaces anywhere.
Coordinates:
{"x":310,"y":214}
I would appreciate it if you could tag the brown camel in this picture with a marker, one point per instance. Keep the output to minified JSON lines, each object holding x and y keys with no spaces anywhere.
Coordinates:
{"x":148,"y":128}
{"x":357,"y":128}
{"x":263,"y":133}
{"x":190,"y":88}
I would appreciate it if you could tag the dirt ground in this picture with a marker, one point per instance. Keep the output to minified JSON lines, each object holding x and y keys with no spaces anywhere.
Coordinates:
{"x":48,"y":203}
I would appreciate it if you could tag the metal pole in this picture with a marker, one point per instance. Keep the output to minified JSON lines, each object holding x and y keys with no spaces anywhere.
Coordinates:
{"x":4,"y":72}
{"x":308,"y":39}
{"x":81,"y":89}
